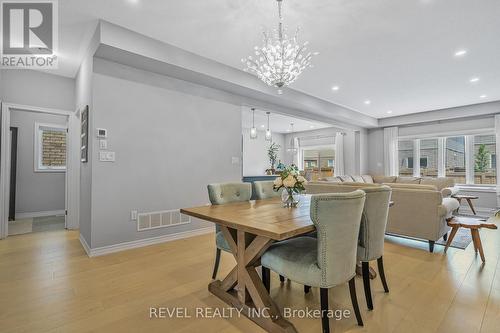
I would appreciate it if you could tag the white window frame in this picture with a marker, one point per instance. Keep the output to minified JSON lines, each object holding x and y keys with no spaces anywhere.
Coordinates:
{"x":469,"y":153}
{"x":37,"y":158}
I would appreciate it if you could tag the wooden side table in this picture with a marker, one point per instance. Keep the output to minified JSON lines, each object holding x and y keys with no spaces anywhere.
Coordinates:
{"x":469,"y":199}
{"x":474,"y":225}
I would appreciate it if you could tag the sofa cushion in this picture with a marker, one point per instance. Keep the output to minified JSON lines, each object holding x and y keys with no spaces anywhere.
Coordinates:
{"x":384,"y":179}
{"x":368,"y":179}
{"x":439,"y":182}
{"x":408,"y":180}
{"x":412,"y":186}
{"x":358,"y":179}
{"x":346,"y":178}
{"x":330,"y":179}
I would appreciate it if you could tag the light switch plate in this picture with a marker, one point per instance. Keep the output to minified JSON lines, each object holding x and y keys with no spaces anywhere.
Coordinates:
{"x":235,"y":160}
{"x":103,"y":144}
{"x":107,"y":156}
{"x":133,"y":215}
{"x":110,"y":156}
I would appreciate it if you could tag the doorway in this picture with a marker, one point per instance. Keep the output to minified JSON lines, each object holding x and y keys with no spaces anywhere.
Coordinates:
{"x":39,"y":173}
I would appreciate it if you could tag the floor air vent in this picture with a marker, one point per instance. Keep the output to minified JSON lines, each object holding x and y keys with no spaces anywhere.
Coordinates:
{"x":163,"y":219}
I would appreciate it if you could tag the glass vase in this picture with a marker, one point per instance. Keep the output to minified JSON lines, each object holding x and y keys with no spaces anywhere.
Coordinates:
{"x":290,"y":198}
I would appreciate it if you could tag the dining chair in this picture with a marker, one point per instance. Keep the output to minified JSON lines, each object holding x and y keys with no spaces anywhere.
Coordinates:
{"x":264,"y":190}
{"x":223,"y":193}
{"x":328,"y":260}
{"x":371,"y":235}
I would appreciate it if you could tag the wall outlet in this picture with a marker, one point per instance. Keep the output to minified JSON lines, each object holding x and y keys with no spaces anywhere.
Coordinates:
{"x":133,"y":215}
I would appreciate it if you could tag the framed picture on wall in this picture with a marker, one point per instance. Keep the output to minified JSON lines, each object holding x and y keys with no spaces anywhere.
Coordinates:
{"x":84,"y":134}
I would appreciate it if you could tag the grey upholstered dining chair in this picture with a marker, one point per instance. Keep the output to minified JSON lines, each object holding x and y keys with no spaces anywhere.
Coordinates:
{"x":264,"y":190}
{"x":220,"y":194}
{"x":328,"y":260}
{"x":371,"y":235}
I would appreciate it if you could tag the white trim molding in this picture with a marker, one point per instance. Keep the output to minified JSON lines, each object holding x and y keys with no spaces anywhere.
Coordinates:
{"x":100,"y":251}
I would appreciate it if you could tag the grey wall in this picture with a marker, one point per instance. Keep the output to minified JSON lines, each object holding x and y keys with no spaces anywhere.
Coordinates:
{"x":33,"y":88}
{"x":35,"y":191}
{"x":255,"y":160}
{"x":169,"y":145}
{"x":376,"y":151}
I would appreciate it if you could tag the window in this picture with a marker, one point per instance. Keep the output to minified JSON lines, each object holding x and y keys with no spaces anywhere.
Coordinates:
{"x":50,"y":148}
{"x":429,"y":152}
{"x":423,"y":162}
{"x":468,"y":159}
{"x":319,"y":161}
{"x":405,"y":153}
{"x":455,"y":158}
{"x":485,"y":159}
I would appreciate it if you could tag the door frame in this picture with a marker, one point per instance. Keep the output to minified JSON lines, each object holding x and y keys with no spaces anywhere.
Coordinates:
{"x":13,"y":171}
{"x":72,"y":195}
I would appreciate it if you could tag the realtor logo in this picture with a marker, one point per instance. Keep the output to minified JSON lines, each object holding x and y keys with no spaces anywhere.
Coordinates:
{"x":29,"y":34}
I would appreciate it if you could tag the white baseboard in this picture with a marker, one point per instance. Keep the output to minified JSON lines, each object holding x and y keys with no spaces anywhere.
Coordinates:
{"x":39,"y":214}
{"x":85,"y":245}
{"x":99,"y":251}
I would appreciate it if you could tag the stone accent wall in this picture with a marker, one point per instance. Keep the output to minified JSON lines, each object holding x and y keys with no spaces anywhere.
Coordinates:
{"x":53,"y":148}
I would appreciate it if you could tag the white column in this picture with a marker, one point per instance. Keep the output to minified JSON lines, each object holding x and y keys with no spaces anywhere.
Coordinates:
{"x":391,"y":166}
{"x":441,"y":157}
{"x":469,"y":159}
{"x":416,"y":158}
{"x":497,"y":135}
{"x":339,"y":168}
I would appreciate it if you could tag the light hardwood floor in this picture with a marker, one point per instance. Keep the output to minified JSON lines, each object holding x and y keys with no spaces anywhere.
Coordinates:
{"x":48,"y":284}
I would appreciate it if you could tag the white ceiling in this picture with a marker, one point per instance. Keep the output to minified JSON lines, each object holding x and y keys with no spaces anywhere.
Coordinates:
{"x":397,"y":54}
{"x":278,"y":123}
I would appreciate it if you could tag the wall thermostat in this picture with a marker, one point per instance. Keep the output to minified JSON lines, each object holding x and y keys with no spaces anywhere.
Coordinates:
{"x":102,"y":133}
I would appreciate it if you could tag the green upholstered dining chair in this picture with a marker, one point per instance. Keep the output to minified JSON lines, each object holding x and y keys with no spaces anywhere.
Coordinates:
{"x":328,"y":260}
{"x":371,"y":235}
{"x":264,"y":190}
{"x":220,"y":194}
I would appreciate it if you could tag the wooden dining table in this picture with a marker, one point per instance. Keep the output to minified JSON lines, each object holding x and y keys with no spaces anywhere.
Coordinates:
{"x":249,"y":228}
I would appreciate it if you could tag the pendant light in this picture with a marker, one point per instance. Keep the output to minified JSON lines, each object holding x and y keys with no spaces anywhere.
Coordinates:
{"x":268,"y":131}
{"x":253,"y":130}
{"x":291,"y":148}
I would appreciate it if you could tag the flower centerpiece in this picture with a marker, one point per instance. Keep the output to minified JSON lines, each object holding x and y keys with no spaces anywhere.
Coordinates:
{"x":292,"y":183}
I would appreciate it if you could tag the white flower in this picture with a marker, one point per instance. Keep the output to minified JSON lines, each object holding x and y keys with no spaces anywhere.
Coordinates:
{"x":289,"y":181}
{"x":278,"y":182}
{"x":301,"y":179}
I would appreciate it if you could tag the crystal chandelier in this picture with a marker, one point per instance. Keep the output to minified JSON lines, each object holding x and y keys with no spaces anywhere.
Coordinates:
{"x":281,"y":59}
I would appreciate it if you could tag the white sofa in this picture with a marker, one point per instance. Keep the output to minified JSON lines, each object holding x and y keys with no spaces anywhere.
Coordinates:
{"x":421,"y":206}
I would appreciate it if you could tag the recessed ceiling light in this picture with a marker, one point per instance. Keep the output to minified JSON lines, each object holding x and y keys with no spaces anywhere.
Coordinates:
{"x":312,"y":126}
{"x":262,"y":126}
{"x":335,"y":88}
{"x":368,"y":102}
{"x":288,"y":130}
{"x":474,"y":80}
{"x":483,"y":96}
{"x":389,"y":112}
{"x":460,"y":53}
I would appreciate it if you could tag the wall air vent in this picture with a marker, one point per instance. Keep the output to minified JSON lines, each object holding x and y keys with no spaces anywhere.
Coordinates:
{"x":162,"y":219}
